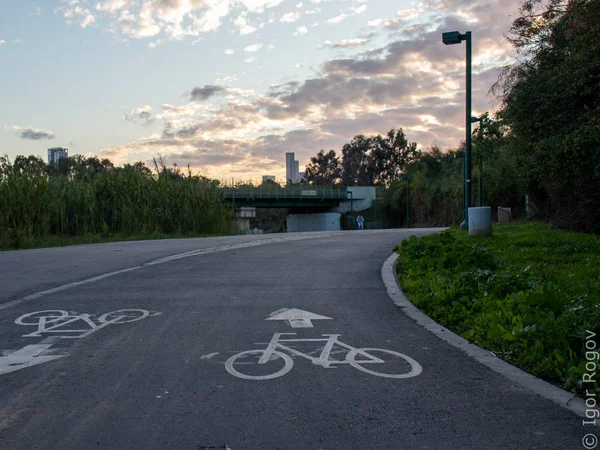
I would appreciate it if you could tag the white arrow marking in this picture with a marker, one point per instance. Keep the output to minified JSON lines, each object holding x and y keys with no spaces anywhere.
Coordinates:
{"x":297,"y":318}
{"x":26,"y":357}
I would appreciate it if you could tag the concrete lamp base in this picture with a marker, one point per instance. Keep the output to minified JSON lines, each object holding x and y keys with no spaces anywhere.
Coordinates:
{"x":480,"y":221}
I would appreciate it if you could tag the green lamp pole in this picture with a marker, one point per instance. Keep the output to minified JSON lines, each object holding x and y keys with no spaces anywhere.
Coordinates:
{"x":452,"y":38}
{"x":405,"y":178}
{"x":459,"y":155}
{"x":480,"y":178}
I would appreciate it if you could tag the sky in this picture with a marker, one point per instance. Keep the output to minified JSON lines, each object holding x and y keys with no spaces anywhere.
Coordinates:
{"x":229,"y":86}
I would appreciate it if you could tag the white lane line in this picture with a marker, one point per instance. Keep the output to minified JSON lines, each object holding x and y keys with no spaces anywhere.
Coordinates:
{"x":528,"y":381}
{"x":204,"y":251}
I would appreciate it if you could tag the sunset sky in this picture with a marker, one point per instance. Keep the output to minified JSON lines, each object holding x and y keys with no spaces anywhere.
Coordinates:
{"x":229,"y":86}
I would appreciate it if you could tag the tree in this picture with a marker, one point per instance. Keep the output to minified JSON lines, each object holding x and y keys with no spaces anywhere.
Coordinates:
{"x":551,"y":104}
{"x":324,"y":168}
{"x":390,"y":156}
{"x":365,"y":161}
{"x":355,"y":162}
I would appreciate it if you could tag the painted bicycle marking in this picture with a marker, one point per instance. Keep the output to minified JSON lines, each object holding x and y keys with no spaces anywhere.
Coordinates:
{"x":72,"y":325}
{"x":356,"y":357}
{"x":57,"y":324}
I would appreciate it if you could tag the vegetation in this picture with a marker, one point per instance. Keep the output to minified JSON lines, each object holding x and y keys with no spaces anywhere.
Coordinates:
{"x":551,"y":105}
{"x":436,"y":188}
{"x":544,"y":142}
{"x":436,"y":176}
{"x":92,"y":199}
{"x":365,"y":161}
{"x":528,"y":293}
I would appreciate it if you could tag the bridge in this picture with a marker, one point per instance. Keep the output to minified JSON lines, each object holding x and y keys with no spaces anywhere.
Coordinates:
{"x":273,"y":195}
{"x":317,"y":208}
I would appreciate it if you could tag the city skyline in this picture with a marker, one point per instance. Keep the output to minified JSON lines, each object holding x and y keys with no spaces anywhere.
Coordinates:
{"x":230,"y":86}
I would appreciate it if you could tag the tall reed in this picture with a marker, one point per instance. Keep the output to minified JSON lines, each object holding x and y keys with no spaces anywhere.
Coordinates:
{"x":82,"y":197}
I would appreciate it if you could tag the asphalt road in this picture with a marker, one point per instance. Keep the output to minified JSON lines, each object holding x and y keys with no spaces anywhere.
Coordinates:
{"x":157,"y":378}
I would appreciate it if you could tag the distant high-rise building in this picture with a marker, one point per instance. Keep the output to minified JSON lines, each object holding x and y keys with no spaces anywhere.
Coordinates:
{"x":268,"y":178}
{"x":54,"y":154}
{"x":289,"y":168}
{"x":292,"y":169}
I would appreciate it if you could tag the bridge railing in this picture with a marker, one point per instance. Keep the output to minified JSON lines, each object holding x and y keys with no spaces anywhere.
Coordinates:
{"x":294,"y":191}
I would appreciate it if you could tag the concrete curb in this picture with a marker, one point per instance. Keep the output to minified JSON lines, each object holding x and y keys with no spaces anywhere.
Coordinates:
{"x":528,"y":381}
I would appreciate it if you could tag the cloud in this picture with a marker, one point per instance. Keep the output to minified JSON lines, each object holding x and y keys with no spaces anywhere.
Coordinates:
{"x":77,"y":14}
{"x":173,"y":19}
{"x":204,"y":93}
{"x":346,"y":43}
{"x":112,"y":6}
{"x":229,"y":51}
{"x":17,"y":41}
{"x":290,"y":17}
{"x":2,"y":42}
{"x":253,"y":48}
{"x":300,"y":30}
{"x":352,"y":11}
{"x":413,"y":81}
{"x":142,"y":115}
{"x":338,"y":18}
{"x":33,"y":134}
{"x":402,"y":16}
{"x":177,"y":112}
{"x":243,"y":26}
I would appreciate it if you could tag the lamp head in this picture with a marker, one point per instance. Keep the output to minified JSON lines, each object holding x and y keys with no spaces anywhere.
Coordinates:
{"x":452,"y":37}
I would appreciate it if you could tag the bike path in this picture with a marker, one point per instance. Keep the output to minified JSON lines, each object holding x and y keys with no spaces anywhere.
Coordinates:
{"x":161,"y":381}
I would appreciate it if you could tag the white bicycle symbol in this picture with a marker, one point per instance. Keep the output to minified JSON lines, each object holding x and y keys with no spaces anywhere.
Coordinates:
{"x":76,"y":325}
{"x":276,"y":350}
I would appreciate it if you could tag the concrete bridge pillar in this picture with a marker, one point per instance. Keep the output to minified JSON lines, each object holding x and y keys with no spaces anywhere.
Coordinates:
{"x":241,"y":218}
{"x":313,"y":222}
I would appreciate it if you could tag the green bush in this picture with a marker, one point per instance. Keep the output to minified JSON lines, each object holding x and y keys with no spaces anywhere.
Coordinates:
{"x":528,"y":293}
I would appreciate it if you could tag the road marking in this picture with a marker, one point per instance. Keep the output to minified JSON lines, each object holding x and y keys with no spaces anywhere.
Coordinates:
{"x":204,"y":251}
{"x":297,"y":318}
{"x":276,"y":349}
{"x":26,"y":357}
{"x":60,"y":322}
{"x":75,"y":325}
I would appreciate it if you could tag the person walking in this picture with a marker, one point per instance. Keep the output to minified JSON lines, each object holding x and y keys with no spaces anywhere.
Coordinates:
{"x":359,"y":221}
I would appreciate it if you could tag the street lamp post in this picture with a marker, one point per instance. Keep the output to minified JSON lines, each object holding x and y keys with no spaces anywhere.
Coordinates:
{"x":461,"y":155}
{"x":452,"y":38}
{"x":405,"y":178}
{"x":480,"y":177}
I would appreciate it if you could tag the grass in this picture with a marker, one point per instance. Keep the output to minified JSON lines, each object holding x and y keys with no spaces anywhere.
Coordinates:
{"x":528,"y":293}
